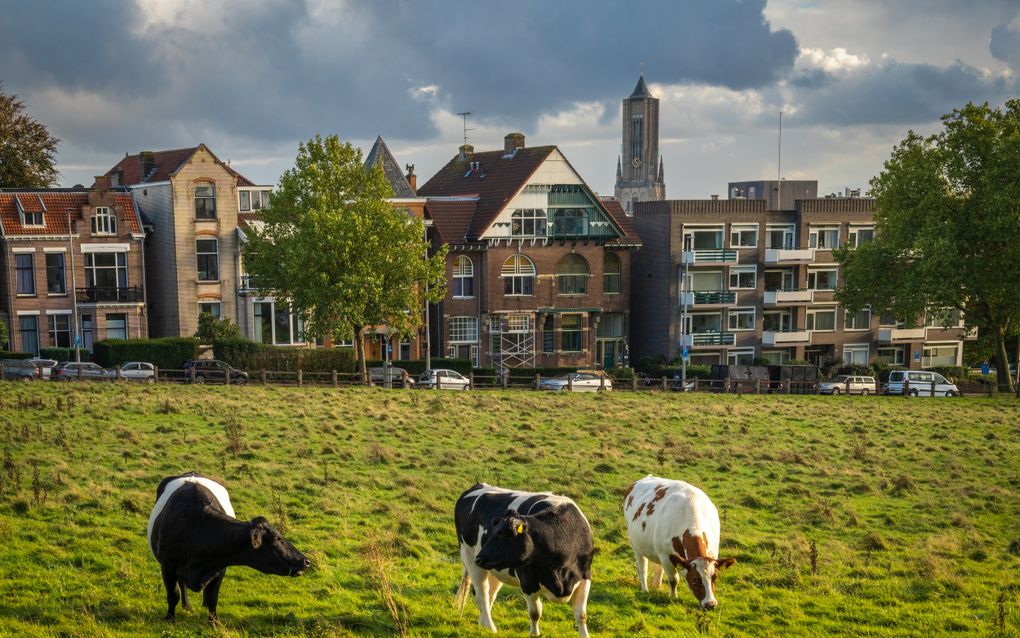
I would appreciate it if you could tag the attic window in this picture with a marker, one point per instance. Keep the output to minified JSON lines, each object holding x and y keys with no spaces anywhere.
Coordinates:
{"x":31,"y":210}
{"x":104,"y":222}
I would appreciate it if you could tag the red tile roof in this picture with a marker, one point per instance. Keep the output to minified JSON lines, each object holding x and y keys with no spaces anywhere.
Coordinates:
{"x":612,"y":206}
{"x":166,"y":164}
{"x":451,"y":217}
{"x":54,"y":204}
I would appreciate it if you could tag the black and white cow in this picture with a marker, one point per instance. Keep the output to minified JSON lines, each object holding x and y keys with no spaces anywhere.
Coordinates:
{"x":195,"y":537}
{"x":541,"y":543}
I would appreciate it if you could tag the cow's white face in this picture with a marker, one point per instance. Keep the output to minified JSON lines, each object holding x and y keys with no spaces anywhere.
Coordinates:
{"x":701,"y":574}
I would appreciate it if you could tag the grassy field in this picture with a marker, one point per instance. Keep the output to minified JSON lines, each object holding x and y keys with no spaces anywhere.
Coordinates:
{"x":848,"y":516}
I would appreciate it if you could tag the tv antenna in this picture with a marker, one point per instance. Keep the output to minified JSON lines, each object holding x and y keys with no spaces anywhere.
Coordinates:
{"x":465,"y":115}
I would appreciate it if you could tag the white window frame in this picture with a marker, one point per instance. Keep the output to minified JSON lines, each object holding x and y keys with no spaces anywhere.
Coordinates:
{"x":104,"y":221}
{"x":786,"y":274}
{"x":850,"y":349}
{"x":463,"y":330}
{"x":737,"y":231}
{"x":518,"y":267}
{"x":785,"y":318}
{"x":739,"y":270}
{"x":851,"y":238}
{"x":734,"y":313}
{"x":788,"y":230}
{"x":537,"y":218}
{"x":846,"y":320}
{"x":731,"y":356}
{"x":900,"y":355}
{"x":811,"y":321}
{"x":812,"y":278}
{"x":926,"y":359}
{"x":219,"y":312}
{"x":784,"y":356}
{"x":459,"y":272}
{"x":813,"y":233}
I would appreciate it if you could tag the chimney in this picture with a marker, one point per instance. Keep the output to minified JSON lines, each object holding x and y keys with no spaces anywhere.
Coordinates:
{"x":103,"y":182}
{"x":466,"y":151}
{"x":715,"y":198}
{"x":512,"y":142}
{"x":412,"y":179}
{"x":148,"y":161}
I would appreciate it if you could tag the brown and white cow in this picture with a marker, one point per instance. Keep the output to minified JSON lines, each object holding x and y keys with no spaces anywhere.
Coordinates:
{"x":676,"y":526}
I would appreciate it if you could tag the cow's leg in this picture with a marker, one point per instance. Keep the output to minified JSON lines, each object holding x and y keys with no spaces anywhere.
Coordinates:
{"x":534,"y":611}
{"x":494,"y":586}
{"x":170,"y":582}
{"x":672,"y":576}
{"x":580,"y":604}
{"x":211,"y":594}
{"x":656,"y":576}
{"x":480,"y":578}
{"x":184,"y":594}
{"x":642,"y":571}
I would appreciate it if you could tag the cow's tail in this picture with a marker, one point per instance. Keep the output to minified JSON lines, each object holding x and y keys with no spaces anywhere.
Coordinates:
{"x":462,"y":592}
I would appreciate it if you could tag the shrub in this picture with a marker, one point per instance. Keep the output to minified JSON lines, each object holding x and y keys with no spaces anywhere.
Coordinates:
{"x":694,"y":371}
{"x":955,"y":374}
{"x":5,"y":354}
{"x":250,"y":356}
{"x":168,"y":353}
{"x":798,"y":362}
{"x":4,"y":334}
{"x":882,"y":370}
{"x":61,"y":354}
{"x":855,"y":369}
{"x":212,"y":329}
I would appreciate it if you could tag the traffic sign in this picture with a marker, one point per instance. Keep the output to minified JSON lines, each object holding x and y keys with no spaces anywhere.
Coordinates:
{"x":685,"y":354}
{"x":985,"y":368}
{"x":917,"y":355}
{"x":77,"y":341}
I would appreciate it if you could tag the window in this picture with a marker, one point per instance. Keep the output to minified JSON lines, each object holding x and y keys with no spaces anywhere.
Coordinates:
{"x":855,"y":354}
{"x":637,"y":125}
{"x":570,"y":222}
{"x":205,"y":201}
{"x":779,"y":237}
{"x":778,"y":280}
{"x":860,"y":236}
{"x":741,"y":319}
{"x":209,"y":308}
{"x":822,"y":320}
{"x":740,"y":357}
{"x":528,"y":223}
{"x":24,"y":266}
{"x":106,"y":271}
{"x":776,"y":357}
{"x":824,"y":238}
{"x":264,"y":322}
{"x":860,"y":320}
{"x":463,"y":278}
{"x":743,"y":236}
{"x":116,"y":326}
{"x":570,"y":330}
{"x":612,"y":274}
{"x":822,"y":279}
{"x":245,"y":200}
{"x":939,"y":355}
{"x":28,"y":325}
{"x":743,"y":278}
{"x":887,"y":318}
{"x":891,"y":356}
{"x":611,"y":326}
{"x":275,"y":324}
{"x":703,"y":240}
{"x":55,"y":274}
{"x":548,"y":334}
{"x":31,"y":217}
{"x":87,"y":334}
{"x":699,"y":323}
{"x":281,"y":324}
{"x":463,"y":329}
{"x":777,"y":321}
{"x":704,"y":281}
{"x":518,"y":275}
{"x":942,"y":318}
{"x":60,"y":330}
{"x":208,"y":259}
{"x":572,"y":275}
{"x":104,"y":222}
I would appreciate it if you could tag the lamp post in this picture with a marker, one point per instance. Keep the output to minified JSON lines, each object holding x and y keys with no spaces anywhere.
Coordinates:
{"x":74,"y":288}
{"x":428,"y":329}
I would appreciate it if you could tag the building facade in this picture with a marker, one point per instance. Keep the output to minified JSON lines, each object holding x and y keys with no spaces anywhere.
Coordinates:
{"x":74,"y":267}
{"x":738,"y":279}
{"x":538,"y":266}
{"x":639,"y":170}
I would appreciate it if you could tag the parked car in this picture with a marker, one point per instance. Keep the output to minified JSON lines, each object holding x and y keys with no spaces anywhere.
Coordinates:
{"x":79,"y":371}
{"x":397,"y":377}
{"x":916,"y":383}
{"x":19,"y":370}
{"x":214,"y":371}
{"x":444,"y":379}
{"x":848,"y":384}
{"x":579,"y":381}
{"x":138,"y":371}
{"x":45,"y":366}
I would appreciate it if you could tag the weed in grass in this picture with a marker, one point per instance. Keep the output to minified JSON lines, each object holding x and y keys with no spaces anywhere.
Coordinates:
{"x":235,"y":435}
{"x":379,"y":565}
{"x":279,"y":512}
{"x":902,"y":484}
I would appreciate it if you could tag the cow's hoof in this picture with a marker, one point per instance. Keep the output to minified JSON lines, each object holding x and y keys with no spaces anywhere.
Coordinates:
{"x":170,"y":618}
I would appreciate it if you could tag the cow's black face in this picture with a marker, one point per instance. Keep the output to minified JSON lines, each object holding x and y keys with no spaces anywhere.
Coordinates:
{"x":272,"y":553}
{"x":508,"y":546}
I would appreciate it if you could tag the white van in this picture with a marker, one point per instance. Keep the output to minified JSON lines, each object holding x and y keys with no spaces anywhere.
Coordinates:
{"x":918,"y":383}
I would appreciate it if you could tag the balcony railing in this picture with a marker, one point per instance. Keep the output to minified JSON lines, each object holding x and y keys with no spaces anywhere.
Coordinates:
{"x":773,"y":297}
{"x":712,"y":339}
{"x":708,"y":298}
{"x":901,"y":335}
{"x":775,"y":338}
{"x":709,"y":256}
{"x":789,"y":255}
{"x":245,"y":283}
{"x":114,"y":294}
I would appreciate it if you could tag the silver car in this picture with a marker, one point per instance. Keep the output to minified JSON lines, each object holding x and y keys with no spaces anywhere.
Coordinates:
{"x":138,"y":371}
{"x":45,"y":366}
{"x":578,"y":381}
{"x":443,"y":379}
{"x":848,"y":384}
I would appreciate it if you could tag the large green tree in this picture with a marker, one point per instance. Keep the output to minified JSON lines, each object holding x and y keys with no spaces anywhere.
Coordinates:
{"x":948,"y":228}
{"x":27,"y":150}
{"x":344,"y":257}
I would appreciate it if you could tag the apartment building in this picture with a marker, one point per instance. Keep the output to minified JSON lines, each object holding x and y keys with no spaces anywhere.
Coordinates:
{"x":754,"y":276}
{"x":73,"y":264}
{"x":538,"y":266}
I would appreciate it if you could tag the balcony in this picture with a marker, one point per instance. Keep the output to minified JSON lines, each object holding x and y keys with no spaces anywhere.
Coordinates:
{"x":115,"y":294}
{"x":710,"y":339}
{"x":708,"y":298}
{"x":901,"y":335}
{"x":713,"y":256}
{"x":775,"y":297}
{"x":789,"y":256}
{"x":245,"y":283}
{"x":790,"y":337}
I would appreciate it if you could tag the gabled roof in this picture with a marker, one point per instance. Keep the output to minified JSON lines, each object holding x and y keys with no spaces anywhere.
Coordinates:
{"x":380,"y":154}
{"x":615,"y":210}
{"x":495,"y":182}
{"x":641,"y":90}
{"x":451,"y":217}
{"x":54,"y":204}
{"x":166,"y":164}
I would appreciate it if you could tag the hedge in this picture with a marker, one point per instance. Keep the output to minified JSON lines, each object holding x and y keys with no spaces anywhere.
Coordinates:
{"x":252,"y":356}
{"x":61,"y":354}
{"x":956,"y":374}
{"x":6,"y":354}
{"x":168,"y":353}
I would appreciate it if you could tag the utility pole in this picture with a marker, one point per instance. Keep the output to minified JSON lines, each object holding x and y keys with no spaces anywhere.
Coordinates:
{"x":684,"y":348}
{"x":428,"y":329}
{"x":779,"y":166}
{"x":74,"y":290}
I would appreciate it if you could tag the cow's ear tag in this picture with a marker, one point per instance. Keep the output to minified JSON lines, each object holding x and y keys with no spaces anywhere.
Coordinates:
{"x":520,"y":529}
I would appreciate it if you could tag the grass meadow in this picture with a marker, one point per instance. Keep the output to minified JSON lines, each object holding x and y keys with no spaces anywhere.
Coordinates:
{"x":848,"y":516}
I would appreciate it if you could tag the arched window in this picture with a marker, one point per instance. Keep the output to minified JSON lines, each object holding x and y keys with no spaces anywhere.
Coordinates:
{"x":572,"y":275}
{"x":611,"y":274}
{"x":518,"y":275}
{"x":463,"y":278}
{"x":570,"y":222}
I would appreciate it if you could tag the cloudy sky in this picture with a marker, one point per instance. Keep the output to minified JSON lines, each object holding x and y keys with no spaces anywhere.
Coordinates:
{"x":253,"y":78}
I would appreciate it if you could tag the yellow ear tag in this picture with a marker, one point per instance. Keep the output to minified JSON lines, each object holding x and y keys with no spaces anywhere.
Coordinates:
{"x":520,"y":528}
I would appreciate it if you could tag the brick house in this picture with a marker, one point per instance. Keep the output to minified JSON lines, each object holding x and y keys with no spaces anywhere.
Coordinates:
{"x":538,"y":266}
{"x":73,"y":264}
{"x":191,"y":202}
{"x":759,"y":280}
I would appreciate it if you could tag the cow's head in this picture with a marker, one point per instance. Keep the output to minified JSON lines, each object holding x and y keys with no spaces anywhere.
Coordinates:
{"x":509,"y":544}
{"x":271,"y":553}
{"x":701,"y":574}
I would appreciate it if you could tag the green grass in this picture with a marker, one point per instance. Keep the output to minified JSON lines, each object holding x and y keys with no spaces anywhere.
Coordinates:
{"x":912,"y":506}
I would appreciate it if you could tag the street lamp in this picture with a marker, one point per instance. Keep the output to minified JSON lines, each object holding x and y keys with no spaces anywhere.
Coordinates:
{"x":74,"y":290}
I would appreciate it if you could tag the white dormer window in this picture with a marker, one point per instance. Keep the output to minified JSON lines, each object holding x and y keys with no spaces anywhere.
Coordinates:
{"x":104,"y":222}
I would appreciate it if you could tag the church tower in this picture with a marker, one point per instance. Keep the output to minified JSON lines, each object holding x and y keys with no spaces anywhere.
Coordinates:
{"x":639,"y":172}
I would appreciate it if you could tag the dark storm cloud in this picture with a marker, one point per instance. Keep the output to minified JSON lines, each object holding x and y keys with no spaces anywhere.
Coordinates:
{"x":812,"y":79}
{"x":279,"y":72}
{"x":1004,"y":44}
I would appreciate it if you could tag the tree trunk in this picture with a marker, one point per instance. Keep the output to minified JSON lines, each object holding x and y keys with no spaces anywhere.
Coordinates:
{"x":1002,"y":363}
{"x":359,"y":349}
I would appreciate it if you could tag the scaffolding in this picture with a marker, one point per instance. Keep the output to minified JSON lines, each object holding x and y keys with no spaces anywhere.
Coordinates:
{"x":512,"y":342}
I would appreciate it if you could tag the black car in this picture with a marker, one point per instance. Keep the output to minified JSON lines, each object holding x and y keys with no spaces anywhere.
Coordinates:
{"x":213,"y":371}
{"x":19,"y":370}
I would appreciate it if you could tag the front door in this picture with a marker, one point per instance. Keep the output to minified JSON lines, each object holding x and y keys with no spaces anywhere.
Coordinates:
{"x":608,"y":354}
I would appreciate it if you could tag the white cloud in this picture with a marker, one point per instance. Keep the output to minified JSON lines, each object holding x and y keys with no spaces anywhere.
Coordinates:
{"x":833,"y":61}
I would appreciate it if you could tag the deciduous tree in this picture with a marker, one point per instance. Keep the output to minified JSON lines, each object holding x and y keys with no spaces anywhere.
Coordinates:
{"x":948,"y":228}
{"x":27,"y":150}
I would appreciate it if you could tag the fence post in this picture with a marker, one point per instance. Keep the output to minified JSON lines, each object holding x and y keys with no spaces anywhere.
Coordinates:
{"x":663,"y":382}
{"x":116,"y":372}
{"x":633,"y":382}
{"x":847,"y":384}
{"x":989,"y":386}
{"x":506,"y":379}
{"x":3,"y":373}
{"x":757,"y":386}
{"x":818,"y":388}
{"x":933,"y":387}
{"x":79,"y":373}
{"x":300,"y":376}
{"x":192,"y":372}
{"x":602,"y":384}
{"x":334,"y":378}
{"x":155,"y":374}
{"x":570,"y":382}
{"x":538,"y":381}
{"x":906,"y":386}
{"x":262,"y":375}
{"x":366,"y":379}
{"x":471,"y":380}
{"x":228,"y":376}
